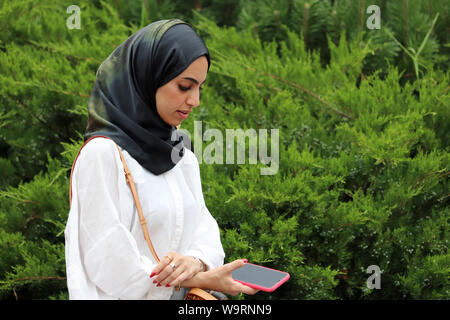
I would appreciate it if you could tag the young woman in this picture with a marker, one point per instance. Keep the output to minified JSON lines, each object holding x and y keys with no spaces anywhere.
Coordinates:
{"x":143,"y":90}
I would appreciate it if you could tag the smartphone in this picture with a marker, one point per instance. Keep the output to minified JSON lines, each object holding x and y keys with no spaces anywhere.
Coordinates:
{"x":259,"y":277}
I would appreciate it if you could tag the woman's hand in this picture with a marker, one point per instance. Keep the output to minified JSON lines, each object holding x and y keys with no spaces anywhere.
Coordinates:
{"x":219,"y":279}
{"x":174,"y":268}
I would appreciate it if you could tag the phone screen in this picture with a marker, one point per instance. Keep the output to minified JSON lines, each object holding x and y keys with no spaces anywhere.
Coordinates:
{"x":260,"y":277}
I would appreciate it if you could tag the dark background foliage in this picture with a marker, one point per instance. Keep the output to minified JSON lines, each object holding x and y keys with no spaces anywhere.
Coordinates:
{"x":363,"y":175}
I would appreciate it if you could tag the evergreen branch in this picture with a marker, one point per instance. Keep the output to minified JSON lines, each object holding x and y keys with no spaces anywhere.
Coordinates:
{"x":118,"y":9}
{"x":31,"y":218}
{"x":35,"y":278}
{"x":344,"y":226}
{"x":45,"y":124}
{"x":68,"y":93}
{"x":61,"y":171}
{"x":4,"y":118}
{"x":12,"y":195}
{"x":361,"y":14}
{"x":70,"y":55}
{"x":297,"y":86}
{"x":292,"y":84}
{"x":419,"y":182}
{"x":57,"y":224}
{"x":144,"y":13}
{"x":305,"y":21}
{"x":405,"y":19}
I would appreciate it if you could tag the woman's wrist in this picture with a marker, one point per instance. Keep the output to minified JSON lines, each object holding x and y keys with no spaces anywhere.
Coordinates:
{"x":202,"y":266}
{"x":199,"y":280}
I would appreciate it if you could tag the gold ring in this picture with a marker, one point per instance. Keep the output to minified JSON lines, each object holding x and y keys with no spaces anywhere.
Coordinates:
{"x":170,"y":258}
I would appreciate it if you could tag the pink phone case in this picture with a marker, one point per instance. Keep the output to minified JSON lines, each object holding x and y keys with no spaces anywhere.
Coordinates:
{"x":271,"y":289}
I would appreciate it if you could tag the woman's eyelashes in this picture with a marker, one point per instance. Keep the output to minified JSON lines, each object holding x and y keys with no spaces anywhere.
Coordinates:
{"x":183,"y":88}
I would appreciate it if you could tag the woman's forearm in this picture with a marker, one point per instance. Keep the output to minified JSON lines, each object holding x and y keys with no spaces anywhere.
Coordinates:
{"x":200,"y":280}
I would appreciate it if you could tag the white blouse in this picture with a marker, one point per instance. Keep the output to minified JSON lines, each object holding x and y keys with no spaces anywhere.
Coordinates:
{"x":107,"y":256}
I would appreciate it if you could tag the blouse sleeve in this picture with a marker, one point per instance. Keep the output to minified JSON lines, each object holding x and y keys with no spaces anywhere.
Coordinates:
{"x":108,"y":250}
{"x":206,"y":244}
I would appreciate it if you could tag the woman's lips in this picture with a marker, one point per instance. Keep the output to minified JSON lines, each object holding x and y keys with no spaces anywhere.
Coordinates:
{"x":183,"y":115}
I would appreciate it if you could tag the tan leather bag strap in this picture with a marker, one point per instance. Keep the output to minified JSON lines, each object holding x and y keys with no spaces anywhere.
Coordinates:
{"x":142,"y":220}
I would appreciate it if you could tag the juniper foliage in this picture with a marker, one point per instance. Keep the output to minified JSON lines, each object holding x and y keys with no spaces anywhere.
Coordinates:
{"x":363,"y":176}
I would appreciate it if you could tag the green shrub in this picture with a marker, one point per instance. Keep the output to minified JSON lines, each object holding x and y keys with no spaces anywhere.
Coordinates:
{"x":363,"y":173}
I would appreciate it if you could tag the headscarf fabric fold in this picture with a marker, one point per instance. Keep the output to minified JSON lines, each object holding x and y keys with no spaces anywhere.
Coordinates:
{"x":122,"y":105}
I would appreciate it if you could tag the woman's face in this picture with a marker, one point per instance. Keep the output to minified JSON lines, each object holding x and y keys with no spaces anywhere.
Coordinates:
{"x":176,"y":99}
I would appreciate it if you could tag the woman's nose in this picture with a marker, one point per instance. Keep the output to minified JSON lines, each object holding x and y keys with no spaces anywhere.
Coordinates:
{"x":193,"y":99}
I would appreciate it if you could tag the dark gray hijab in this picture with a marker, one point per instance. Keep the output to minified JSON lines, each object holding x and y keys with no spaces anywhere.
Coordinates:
{"x":122,"y":105}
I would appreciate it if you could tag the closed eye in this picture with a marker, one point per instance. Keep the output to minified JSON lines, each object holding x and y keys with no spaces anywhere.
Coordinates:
{"x":183,"y":88}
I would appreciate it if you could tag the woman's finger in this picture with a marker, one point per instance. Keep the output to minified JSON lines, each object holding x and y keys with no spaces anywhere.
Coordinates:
{"x":236,"y":287}
{"x":236,"y":264}
{"x":178,"y":280}
{"x":186,"y":270}
{"x":171,"y":272}
{"x":164,"y":262}
{"x":246,"y":289}
{"x":166,"y":272}
{"x":172,"y":276}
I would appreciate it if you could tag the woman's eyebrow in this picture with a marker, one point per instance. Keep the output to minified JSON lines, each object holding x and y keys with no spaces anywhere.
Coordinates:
{"x":192,"y":79}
